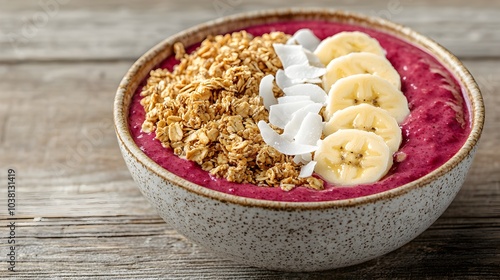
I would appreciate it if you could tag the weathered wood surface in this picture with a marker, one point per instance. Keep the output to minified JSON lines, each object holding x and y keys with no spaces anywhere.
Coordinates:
{"x":79,"y":212}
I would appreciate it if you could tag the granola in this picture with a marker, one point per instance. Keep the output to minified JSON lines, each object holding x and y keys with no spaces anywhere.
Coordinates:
{"x":208,"y":107}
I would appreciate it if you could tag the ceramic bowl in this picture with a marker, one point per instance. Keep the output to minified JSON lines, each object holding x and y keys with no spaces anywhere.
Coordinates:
{"x":293,"y":236}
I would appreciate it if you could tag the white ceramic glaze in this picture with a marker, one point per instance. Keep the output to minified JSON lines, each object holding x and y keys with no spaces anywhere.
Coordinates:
{"x":295,"y":236}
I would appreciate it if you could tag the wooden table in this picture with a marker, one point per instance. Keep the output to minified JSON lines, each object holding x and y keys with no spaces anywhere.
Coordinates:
{"x":78,"y":212}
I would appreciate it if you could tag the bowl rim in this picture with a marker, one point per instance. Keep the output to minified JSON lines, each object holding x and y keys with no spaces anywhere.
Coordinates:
{"x":130,"y":82}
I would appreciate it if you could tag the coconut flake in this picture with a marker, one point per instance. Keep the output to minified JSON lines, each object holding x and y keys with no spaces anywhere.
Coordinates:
{"x":310,"y":130}
{"x":297,"y":159}
{"x":303,"y":158}
{"x":304,"y":71}
{"x":304,"y":81}
{"x":283,"y":81}
{"x":290,"y":54}
{"x":307,"y":170}
{"x":316,"y":93}
{"x":313,"y":59}
{"x":281,"y":114}
{"x":266,"y":91}
{"x":273,"y":139}
{"x":293,"y":126}
{"x":291,"y":41}
{"x":291,"y":99}
{"x":297,"y":113}
{"x":306,"y":157}
{"x":306,"y":38}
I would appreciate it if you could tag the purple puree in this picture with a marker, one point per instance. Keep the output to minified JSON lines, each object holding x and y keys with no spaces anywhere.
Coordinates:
{"x":432,"y":133}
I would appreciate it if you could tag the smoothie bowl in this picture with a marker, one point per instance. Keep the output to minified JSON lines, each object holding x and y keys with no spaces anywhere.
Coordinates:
{"x":221,"y":130}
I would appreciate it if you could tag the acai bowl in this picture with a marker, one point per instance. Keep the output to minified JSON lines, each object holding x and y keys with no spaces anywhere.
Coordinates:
{"x":304,"y":228}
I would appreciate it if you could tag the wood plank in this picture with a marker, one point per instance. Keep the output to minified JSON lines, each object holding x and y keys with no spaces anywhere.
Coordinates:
{"x":143,"y":246}
{"x":114,"y":30}
{"x":58,"y":135}
{"x":487,"y":162}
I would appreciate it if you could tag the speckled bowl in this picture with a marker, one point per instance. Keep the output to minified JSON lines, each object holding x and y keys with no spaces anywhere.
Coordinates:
{"x":295,"y":236}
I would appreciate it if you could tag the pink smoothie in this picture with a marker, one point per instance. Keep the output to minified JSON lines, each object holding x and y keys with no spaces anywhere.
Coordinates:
{"x":437,"y":127}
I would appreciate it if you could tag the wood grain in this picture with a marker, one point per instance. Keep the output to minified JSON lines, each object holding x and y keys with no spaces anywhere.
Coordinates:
{"x":81,"y":215}
{"x":117,"y":30}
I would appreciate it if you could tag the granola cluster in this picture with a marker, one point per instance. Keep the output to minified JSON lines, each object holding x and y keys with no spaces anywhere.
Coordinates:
{"x":208,"y":107}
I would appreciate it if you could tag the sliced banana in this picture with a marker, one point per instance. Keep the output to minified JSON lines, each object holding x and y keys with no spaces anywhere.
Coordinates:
{"x":360,"y":63}
{"x":347,"y":42}
{"x":370,"y":89}
{"x":368,"y":118}
{"x":352,"y":157}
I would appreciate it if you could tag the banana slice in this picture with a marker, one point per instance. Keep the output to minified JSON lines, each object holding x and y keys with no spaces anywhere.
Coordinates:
{"x":347,"y":42}
{"x":360,"y":63}
{"x":352,"y":157}
{"x":370,"y":89}
{"x":368,"y":118}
